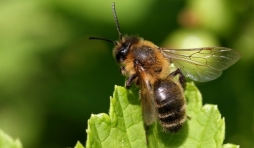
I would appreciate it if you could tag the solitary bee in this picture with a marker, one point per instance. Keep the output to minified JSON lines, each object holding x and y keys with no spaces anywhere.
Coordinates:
{"x":161,"y":87}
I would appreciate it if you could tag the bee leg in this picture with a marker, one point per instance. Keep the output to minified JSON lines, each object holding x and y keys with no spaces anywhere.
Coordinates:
{"x":130,"y":80}
{"x":181,"y":79}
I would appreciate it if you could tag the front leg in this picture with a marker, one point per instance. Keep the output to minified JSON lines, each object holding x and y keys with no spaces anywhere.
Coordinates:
{"x":130,"y":80}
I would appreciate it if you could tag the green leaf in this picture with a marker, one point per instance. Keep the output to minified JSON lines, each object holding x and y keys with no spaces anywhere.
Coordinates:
{"x":229,"y":145}
{"x":124,"y":127}
{"x":7,"y":142}
{"x":79,"y":145}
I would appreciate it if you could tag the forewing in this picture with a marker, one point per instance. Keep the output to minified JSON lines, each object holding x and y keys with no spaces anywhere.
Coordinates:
{"x":147,"y":97}
{"x":202,"y":64}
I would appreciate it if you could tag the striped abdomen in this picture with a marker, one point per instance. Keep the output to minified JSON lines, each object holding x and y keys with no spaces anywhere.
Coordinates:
{"x":170,"y":104}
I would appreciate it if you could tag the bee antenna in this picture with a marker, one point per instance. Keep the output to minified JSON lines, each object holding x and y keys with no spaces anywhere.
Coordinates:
{"x":116,"y":21}
{"x":104,"y":39}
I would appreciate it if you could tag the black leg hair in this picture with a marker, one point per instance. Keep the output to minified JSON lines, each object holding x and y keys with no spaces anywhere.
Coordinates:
{"x":130,"y":80}
{"x":181,"y":79}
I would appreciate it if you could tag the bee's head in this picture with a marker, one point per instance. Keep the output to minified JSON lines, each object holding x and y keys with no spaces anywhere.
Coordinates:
{"x":122,"y":46}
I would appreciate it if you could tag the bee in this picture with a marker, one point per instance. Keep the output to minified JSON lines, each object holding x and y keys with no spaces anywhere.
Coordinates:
{"x":161,"y":86}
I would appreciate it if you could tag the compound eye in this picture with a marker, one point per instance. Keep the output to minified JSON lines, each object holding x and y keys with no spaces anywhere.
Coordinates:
{"x":122,"y":52}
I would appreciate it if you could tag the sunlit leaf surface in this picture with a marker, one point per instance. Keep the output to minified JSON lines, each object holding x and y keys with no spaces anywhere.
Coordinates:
{"x":123,"y":127}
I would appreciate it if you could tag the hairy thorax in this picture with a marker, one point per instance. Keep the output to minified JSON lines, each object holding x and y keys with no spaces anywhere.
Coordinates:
{"x":148,"y":56}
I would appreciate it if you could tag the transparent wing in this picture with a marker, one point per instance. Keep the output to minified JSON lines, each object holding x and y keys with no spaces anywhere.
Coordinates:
{"x":147,"y":97}
{"x":202,"y":64}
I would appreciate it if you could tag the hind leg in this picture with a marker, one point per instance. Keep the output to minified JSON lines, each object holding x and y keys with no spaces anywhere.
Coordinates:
{"x":181,"y":79}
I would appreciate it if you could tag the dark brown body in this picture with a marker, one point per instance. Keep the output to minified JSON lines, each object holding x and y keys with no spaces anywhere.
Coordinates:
{"x":161,"y":95}
{"x":170,"y":104}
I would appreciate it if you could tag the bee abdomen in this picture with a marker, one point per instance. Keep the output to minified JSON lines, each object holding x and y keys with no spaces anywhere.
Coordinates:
{"x":170,"y":103}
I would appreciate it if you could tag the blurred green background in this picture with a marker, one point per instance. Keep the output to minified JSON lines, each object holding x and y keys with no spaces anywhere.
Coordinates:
{"x":52,"y":78}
